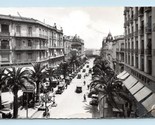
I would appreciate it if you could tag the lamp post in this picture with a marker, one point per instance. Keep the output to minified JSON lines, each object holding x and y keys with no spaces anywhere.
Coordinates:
{"x":53,"y":98}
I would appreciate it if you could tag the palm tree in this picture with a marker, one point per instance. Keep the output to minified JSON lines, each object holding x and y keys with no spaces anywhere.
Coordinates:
{"x":108,"y":88}
{"x":51,"y":74}
{"x":64,"y":68}
{"x":16,"y":78}
{"x":2,"y":82}
{"x":38,"y":74}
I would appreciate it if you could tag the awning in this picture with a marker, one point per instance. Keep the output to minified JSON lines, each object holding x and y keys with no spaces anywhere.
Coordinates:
{"x":121,"y":74}
{"x":136,"y":87}
{"x":142,"y":94}
{"x":124,"y":76}
{"x":129,"y":82}
{"x":149,"y":102}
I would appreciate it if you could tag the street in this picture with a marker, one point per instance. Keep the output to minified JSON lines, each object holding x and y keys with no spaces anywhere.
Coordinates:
{"x":71,"y":104}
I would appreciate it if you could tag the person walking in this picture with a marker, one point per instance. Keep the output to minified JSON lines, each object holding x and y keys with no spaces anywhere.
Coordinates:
{"x":84,"y":83}
{"x":84,"y":97}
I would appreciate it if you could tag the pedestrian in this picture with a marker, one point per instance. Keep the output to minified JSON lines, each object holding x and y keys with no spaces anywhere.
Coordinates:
{"x":87,"y":86}
{"x":84,"y":83}
{"x":84,"y":97}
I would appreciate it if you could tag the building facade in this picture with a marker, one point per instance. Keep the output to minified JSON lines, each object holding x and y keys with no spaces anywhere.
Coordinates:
{"x":67,"y":46}
{"x":119,"y":51}
{"x":26,"y":40}
{"x":139,"y":52}
{"x":78,"y":44}
{"x":107,"y":49}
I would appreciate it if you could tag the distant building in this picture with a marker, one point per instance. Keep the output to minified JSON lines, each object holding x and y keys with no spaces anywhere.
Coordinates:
{"x":118,"y":53}
{"x":106,"y":50}
{"x":78,"y":44}
{"x":67,"y":46}
{"x":27,"y":40}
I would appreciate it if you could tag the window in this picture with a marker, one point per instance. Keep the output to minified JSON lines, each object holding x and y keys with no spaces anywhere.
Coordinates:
{"x":5,"y":57}
{"x":29,"y":43}
{"x":5,"y":28}
{"x":29,"y":56}
{"x":29,"y":30}
{"x":18,"y":29}
{"x":5,"y":44}
{"x":18,"y":56}
{"x":18,"y":42}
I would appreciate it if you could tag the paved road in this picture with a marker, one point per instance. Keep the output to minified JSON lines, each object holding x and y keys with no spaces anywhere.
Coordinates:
{"x":71,"y":104}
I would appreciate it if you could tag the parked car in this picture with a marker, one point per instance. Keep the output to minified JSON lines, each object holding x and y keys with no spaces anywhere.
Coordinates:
{"x":94,"y":100}
{"x":60,"y":89}
{"x":79,"y":76}
{"x":90,"y":70}
{"x":84,"y":70}
{"x":43,"y":107}
{"x":78,"y":89}
{"x":87,"y":66}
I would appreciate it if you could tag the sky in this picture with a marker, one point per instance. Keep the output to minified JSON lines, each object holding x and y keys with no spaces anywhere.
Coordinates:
{"x":91,"y":24}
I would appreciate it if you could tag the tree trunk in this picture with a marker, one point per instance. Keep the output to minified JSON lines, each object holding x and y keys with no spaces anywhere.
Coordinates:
{"x":0,"y":99}
{"x":38,"y":91}
{"x":108,"y":112}
{"x":15,"y":106}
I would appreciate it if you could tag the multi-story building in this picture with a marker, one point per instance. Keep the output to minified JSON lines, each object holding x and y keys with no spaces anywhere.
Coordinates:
{"x":67,"y":46}
{"x":107,"y":50}
{"x":78,"y":44}
{"x":119,"y":51}
{"x":26,"y":40}
{"x":140,"y":54}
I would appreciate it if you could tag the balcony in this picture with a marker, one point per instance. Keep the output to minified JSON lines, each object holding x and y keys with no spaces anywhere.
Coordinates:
{"x":142,"y":51}
{"x":43,"y":36}
{"x":136,"y":16}
{"x":141,"y":12}
{"x":141,"y":31}
{"x":30,"y":48}
{"x":147,"y":9}
{"x":148,"y":52}
{"x":122,"y":49}
{"x":136,"y":33}
{"x":131,"y":20}
{"x":148,"y":29}
{"x":136,"y":51}
{"x":4,"y":34}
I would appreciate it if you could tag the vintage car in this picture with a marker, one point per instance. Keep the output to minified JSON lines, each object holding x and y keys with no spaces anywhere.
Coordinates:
{"x":84,"y":70}
{"x":79,"y":76}
{"x":94,"y":100}
{"x":78,"y":89}
{"x":60,"y":89}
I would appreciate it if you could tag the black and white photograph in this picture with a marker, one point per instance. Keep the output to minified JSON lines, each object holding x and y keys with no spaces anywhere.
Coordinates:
{"x":77,"y":62}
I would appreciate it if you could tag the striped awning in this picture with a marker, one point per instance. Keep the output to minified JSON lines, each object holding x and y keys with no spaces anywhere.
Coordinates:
{"x":129,"y":82}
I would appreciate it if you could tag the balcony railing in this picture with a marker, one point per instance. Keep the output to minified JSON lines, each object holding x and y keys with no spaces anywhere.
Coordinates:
{"x":141,"y":31}
{"x":30,"y":48}
{"x":141,"y":11}
{"x":4,"y":34}
{"x":146,"y":9}
{"x":148,"y":29}
{"x":136,"y":33}
{"x":148,"y":52}
{"x":136,"y":51}
{"x":136,"y":16}
{"x":122,"y":49}
{"x":142,"y":51}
